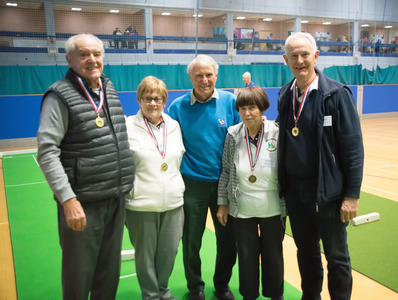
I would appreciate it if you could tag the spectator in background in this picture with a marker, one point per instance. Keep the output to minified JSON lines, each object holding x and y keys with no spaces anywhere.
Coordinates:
{"x":128,"y":29}
{"x":84,"y":153}
{"x":204,"y":115}
{"x":134,"y":42}
{"x":344,"y":48}
{"x":320,"y":167}
{"x":269,"y":45}
{"x":154,"y":215}
{"x":117,"y":40}
{"x":125,"y":42}
{"x":377,"y":46}
{"x":247,"y":79}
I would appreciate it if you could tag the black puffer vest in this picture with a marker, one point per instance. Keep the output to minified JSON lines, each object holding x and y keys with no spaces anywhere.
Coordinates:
{"x":97,"y":160}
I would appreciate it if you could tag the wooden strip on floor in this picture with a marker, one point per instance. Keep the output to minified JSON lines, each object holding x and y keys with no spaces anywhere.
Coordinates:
{"x":7,"y":275}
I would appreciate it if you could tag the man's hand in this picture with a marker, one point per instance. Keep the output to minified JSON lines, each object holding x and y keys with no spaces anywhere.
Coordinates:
{"x":74,"y":214}
{"x":349,"y":209}
{"x":222,"y":214}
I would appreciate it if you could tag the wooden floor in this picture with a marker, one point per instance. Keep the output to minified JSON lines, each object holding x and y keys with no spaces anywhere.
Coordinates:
{"x":380,"y":178}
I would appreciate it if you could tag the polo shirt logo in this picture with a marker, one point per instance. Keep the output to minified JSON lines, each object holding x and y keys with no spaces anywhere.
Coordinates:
{"x":271,"y":145}
{"x":221,"y":123}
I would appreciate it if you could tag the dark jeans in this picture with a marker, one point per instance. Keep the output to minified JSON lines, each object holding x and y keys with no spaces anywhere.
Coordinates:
{"x":309,"y":226}
{"x":91,"y":258}
{"x":198,"y":197}
{"x":257,"y":237}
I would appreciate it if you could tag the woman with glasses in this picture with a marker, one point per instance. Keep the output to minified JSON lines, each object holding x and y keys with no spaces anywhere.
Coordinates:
{"x":154,"y":215}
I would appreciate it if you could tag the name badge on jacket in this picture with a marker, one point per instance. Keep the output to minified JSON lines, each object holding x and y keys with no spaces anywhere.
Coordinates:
{"x":327,"y":121}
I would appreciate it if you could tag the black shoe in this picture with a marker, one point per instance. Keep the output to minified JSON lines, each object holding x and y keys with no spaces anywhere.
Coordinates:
{"x":196,"y":295}
{"x":224,"y":295}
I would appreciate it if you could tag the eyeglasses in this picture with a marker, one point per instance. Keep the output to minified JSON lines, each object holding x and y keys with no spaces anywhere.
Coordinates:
{"x":149,"y":99}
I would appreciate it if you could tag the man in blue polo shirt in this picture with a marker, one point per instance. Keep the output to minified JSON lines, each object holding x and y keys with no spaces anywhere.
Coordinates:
{"x":204,"y":115}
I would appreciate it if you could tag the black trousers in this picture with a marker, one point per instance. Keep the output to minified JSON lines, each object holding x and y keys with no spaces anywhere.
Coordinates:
{"x":310,"y":224}
{"x":255,"y":238}
{"x":91,"y":258}
{"x":199,"y":196}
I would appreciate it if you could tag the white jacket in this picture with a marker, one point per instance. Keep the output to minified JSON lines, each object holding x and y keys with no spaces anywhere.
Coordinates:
{"x":155,"y":190}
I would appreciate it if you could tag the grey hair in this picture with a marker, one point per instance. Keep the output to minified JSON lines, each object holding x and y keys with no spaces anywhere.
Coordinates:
{"x":203,"y":60}
{"x":296,"y":35}
{"x":246,"y":74}
{"x":70,"y":44}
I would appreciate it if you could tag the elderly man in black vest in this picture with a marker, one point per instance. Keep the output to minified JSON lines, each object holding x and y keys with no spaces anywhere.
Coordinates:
{"x":84,"y":154}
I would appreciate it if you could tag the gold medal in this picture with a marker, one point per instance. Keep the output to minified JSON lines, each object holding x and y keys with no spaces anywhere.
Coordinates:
{"x":252,"y":178}
{"x":164,"y":167}
{"x":99,"y":121}
{"x":295,"y":131}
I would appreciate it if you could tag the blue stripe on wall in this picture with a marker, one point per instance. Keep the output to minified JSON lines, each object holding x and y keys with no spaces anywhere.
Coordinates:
{"x":21,"y":114}
{"x":380,"y":99}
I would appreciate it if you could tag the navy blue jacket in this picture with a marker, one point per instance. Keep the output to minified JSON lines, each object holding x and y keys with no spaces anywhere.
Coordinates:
{"x":339,"y":147}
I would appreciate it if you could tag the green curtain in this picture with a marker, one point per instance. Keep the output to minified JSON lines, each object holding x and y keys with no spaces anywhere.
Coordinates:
{"x":350,"y":75}
{"x":28,"y":80}
{"x":386,"y":76}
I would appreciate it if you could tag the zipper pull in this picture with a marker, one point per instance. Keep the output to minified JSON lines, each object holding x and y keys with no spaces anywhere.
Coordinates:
{"x":316,"y":208}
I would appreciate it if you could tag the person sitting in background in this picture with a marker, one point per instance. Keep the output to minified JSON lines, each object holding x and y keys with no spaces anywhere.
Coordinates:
{"x":154,"y":215}
{"x":247,"y":79}
{"x":248,"y":192}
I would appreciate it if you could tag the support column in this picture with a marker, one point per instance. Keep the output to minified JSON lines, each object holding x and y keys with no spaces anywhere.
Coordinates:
{"x":297,"y":24}
{"x":50,"y":27}
{"x":149,"y":33}
{"x":355,"y":39}
{"x":230,"y":29}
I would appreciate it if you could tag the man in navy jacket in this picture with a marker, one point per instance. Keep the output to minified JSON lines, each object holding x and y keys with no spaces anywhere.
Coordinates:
{"x":320,"y":163}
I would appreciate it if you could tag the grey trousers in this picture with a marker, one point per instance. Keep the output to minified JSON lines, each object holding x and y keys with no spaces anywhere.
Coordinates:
{"x":91,"y":258}
{"x":155,"y":237}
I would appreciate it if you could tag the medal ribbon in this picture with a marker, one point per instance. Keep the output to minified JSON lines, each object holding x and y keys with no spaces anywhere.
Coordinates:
{"x":305,"y":96}
{"x":162,"y":151}
{"x":89,"y":97}
{"x":258,"y":148}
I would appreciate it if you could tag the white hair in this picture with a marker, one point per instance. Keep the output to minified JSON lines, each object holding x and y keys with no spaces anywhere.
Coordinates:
{"x":203,"y":60}
{"x":70,"y":44}
{"x":246,"y":74}
{"x":297,"y":35}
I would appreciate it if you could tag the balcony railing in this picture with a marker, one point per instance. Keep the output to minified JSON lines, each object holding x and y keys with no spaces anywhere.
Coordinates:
{"x":34,"y":42}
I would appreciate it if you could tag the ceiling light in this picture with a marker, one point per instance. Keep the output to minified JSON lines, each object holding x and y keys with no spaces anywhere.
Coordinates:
{"x":387,"y":26}
{"x":365,"y":25}
{"x":304,"y":22}
{"x":12,"y":4}
{"x":199,"y":16}
{"x":114,"y":11}
{"x":267,"y":19}
{"x":166,"y":14}
{"x":326,"y":23}
{"x":76,"y":9}
{"x":240,"y":18}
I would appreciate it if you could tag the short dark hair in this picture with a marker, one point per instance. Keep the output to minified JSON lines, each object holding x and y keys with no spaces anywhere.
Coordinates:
{"x":252,"y":95}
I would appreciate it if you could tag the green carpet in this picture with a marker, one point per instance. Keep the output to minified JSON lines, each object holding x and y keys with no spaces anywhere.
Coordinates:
{"x":36,"y":250}
{"x":373,"y":246}
{"x":37,"y":254}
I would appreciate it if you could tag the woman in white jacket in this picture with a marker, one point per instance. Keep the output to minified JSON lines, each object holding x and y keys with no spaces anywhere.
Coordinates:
{"x":248,"y":192}
{"x":155,"y":215}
